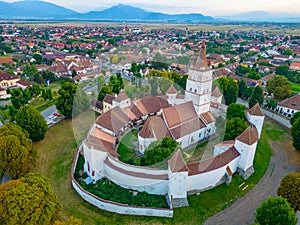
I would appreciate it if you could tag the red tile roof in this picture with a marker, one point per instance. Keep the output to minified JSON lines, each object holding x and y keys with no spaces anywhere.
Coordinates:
{"x":172,"y":90}
{"x":216,"y":93}
{"x":213,"y":163}
{"x":7,"y":76}
{"x":291,"y":103}
{"x":6,"y":60}
{"x":178,"y":114}
{"x":151,"y":104}
{"x":256,"y":110}
{"x":207,"y":117}
{"x":155,"y":127}
{"x":113,"y":120}
{"x":109,"y":98}
{"x":177,"y":163}
{"x":249,"y":136}
{"x":121,"y":97}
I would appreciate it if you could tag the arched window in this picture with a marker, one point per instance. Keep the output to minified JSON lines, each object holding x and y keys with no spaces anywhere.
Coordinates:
{"x":195,"y":90}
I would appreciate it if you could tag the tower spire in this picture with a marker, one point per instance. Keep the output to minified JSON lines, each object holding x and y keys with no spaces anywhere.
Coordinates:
{"x":203,"y":52}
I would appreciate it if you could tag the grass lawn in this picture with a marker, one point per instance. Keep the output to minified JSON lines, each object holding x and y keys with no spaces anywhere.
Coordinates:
{"x":55,"y":155}
{"x":126,"y":148}
{"x":295,"y":87}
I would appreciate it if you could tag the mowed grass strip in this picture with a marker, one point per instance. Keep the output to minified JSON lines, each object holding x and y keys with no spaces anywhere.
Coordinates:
{"x":55,"y":155}
{"x":295,"y":87}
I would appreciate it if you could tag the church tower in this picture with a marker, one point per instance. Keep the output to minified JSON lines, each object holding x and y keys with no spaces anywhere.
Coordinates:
{"x":199,"y":82}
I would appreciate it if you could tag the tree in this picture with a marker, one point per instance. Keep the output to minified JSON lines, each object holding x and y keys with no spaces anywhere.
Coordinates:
{"x":276,"y":210}
{"x":294,"y":118}
{"x":290,"y":189}
{"x":153,"y":81}
{"x":71,"y":221}
{"x":115,"y":84}
{"x":13,"y":156}
{"x":282,"y":70}
{"x":103,"y":91}
{"x":257,"y":96}
{"x":231,"y":93}
{"x":38,"y":58}
{"x":158,"y":151}
{"x":288,"y":51}
{"x":100,"y":81}
{"x":234,"y":127}
{"x":296,"y":134}
{"x":254,"y":75}
{"x":30,"y":120}
{"x":235,"y":111}
{"x":16,"y":151}
{"x":164,"y":85}
{"x":242,"y":85}
{"x":271,"y":104}
{"x":28,"y":200}
{"x":223,"y":83}
{"x":81,"y":101}
{"x":65,"y":100}
{"x":279,"y":86}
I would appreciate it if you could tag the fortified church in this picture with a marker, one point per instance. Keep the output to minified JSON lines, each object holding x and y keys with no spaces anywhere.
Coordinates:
{"x":188,"y":120}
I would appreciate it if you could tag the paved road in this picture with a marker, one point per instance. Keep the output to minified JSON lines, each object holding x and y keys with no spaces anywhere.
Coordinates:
{"x":242,"y":211}
{"x":280,"y":119}
{"x":48,"y":112}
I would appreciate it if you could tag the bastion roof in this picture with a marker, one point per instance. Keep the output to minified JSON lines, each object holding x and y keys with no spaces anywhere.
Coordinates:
{"x":213,"y":163}
{"x":249,"y":136}
{"x":256,"y":110}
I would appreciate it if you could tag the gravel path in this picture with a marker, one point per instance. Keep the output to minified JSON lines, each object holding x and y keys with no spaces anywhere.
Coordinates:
{"x":283,"y":161}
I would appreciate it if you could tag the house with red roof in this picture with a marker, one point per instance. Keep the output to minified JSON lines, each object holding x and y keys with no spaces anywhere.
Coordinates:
{"x":295,"y":66}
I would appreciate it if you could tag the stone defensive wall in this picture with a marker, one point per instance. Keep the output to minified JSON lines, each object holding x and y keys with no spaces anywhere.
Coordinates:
{"x":114,"y":206}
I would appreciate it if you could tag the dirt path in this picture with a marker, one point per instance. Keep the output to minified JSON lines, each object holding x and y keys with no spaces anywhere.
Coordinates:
{"x":284,"y":160}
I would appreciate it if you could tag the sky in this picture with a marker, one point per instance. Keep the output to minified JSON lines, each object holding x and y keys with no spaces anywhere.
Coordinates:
{"x":206,"y":7}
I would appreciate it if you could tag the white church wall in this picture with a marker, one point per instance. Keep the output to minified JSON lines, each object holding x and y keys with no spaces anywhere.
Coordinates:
{"x":211,"y":178}
{"x":122,"y":104}
{"x":144,"y":143}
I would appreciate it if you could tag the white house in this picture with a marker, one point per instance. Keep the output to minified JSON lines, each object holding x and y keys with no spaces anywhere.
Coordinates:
{"x":289,"y":106}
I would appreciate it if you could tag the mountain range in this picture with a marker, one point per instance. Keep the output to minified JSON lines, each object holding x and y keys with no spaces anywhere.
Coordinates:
{"x":36,"y":9}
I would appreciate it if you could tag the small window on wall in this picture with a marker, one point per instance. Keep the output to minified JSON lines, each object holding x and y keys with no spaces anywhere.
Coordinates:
{"x":93,"y":173}
{"x":88,"y":166}
{"x":191,"y":89}
{"x":195,"y":90}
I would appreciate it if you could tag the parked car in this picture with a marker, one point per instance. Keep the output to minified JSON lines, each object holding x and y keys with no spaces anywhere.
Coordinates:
{"x":56,"y":114}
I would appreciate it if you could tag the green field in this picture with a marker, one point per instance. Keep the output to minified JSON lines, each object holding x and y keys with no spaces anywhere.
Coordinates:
{"x":295,"y":87}
{"x":55,"y":155}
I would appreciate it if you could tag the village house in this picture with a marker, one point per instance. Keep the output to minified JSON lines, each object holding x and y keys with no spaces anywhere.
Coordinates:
{"x":295,"y":66}
{"x":289,"y":106}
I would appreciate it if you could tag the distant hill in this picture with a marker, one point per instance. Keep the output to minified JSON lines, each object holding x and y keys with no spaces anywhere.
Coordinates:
{"x":126,"y":12}
{"x":261,"y":16}
{"x":32,"y":9}
{"x":250,"y":16}
{"x":40,"y":10}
